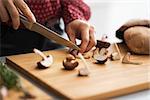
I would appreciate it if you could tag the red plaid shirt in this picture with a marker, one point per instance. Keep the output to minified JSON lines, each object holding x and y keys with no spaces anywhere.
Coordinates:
{"x":69,"y":10}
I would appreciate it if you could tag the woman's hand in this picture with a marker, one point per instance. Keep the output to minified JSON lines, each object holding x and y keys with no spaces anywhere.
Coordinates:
{"x":81,"y":30}
{"x":11,"y":7}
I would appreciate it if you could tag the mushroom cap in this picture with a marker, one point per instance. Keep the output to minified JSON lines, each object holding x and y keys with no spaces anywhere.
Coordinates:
{"x":83,"y":72}
{"x":70,"y":57}
{"x":101,"y":59}
{"x":102,"y":56}
{"x":45,"y":63}
{"x":102,"y":44}
{"x":70,"y":65}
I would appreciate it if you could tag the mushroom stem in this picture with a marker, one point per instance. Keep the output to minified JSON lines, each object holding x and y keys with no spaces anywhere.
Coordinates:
{"x":40,"y":53}
{"x":84,"y":62}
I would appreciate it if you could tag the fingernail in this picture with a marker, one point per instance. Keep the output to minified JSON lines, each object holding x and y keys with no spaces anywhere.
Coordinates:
{"x":15,"y":27}
{"x":33,"y":18}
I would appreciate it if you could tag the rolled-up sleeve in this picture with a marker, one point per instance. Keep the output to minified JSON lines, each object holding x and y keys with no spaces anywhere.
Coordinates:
{"x":74,"y":9}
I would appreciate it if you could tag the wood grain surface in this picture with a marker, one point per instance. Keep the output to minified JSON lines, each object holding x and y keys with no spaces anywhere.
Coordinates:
{"x":105,"y":81}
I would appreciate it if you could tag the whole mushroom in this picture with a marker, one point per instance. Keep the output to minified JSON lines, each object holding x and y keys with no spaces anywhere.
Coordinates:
{"x":136,"y":35}
{"x":70,"y":63}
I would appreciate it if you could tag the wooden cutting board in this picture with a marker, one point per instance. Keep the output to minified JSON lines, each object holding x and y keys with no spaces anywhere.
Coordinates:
{"x":105,"y":81}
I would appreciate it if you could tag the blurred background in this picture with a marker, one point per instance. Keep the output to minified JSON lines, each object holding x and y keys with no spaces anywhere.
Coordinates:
{"x":109,"y":15}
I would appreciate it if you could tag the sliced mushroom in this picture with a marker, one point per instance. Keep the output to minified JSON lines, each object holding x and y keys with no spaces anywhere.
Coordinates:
{"x":115,"y":56}
{"x":87,"y":55}
{"x":83,"y":72}
{"x":102,"y":44}
{"x":101,"y":59}
{"x":101,"y":56}
{"x":126,"y":59}
{"x":46,"y":61}
{"x":70,"y":63}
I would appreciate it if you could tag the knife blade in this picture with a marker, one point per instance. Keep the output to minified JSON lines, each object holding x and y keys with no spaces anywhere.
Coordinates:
{"x":42,"y":30}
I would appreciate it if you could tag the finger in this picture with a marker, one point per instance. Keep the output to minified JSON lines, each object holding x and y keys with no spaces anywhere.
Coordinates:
{"x":92,"y":42}
{"x":71,"y":35}
{"x":25,"y":10}
{"x":3,"y":12}
{"x":13,"y":13}
{"x":85,"y":40}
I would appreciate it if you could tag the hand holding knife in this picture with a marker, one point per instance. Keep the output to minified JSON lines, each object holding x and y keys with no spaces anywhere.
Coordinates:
{"x":36,"y":27}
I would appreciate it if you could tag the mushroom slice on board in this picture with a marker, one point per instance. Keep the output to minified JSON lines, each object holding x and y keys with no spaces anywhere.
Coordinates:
{"x":126,"y":60}
{"x":101,"y":56}
{"x":84,"y":71}
{"x":115,"y":56}
{"x":47,"y":60}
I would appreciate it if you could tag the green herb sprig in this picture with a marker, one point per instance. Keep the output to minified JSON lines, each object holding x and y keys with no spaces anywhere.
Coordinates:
{"x":10,"y":79}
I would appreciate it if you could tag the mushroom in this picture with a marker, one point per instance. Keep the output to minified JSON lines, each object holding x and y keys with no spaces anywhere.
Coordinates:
{"x":70,"y":63}
{"x":74,"y":52}
{"x":100,"y":53}
{"x":46,"y":62}
{"x":126,"y":59}
{"x":135,"y":34}
{"x":115,"y":56}
{"x":86,"y":55}
{"x":101,"y":56}
{"x":83,"y":72}
{"x":101,"y":59}
{"x":102,"y":44}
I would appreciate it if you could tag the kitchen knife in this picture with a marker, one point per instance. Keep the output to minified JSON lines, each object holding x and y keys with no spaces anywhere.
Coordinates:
{"x":36,"y":27}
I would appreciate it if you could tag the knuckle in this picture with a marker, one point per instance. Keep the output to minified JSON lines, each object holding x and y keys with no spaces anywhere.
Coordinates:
{"x":24,"y":6}
{"x":93,"y":42}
